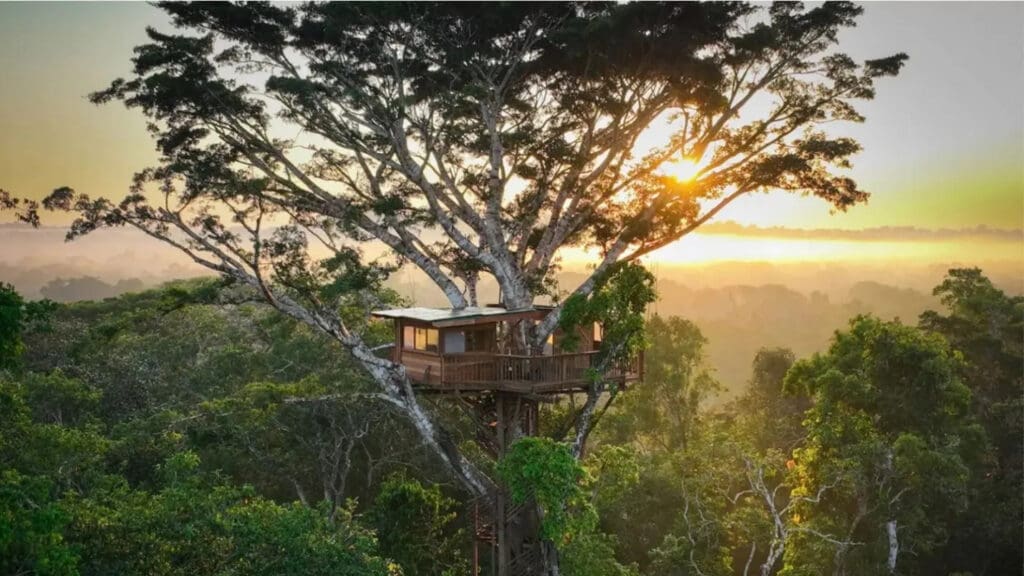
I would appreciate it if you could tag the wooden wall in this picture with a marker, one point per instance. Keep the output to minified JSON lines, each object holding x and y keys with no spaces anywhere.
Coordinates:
{"x":425,"y":367}
{"x":422,"y":367}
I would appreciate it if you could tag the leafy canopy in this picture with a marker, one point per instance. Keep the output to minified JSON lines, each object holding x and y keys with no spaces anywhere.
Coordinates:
{"x":985,"y":325}
{"x":545,"y":471}
{"x":471,"y":139}
{"x":417,"y":528}
{"x":15,"y":316}
{"x":889,"y":440}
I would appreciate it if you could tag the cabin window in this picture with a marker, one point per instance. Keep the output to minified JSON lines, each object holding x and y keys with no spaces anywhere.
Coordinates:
{"x":598,"y":333}
{"x":423,"y":339}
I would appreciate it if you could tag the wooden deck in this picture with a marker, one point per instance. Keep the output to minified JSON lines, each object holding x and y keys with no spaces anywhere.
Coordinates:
{"x":529,"y":374}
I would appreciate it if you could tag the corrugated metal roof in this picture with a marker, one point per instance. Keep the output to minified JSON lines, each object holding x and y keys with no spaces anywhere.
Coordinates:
{"x":448,"y":314}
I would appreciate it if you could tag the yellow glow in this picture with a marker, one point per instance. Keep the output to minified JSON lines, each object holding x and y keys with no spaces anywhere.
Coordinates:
{"x":683,"y":170}
{"x":698,"y":249}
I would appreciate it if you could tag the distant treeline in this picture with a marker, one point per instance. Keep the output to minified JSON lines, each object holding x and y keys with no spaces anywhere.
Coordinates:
{"x":737,"y":319}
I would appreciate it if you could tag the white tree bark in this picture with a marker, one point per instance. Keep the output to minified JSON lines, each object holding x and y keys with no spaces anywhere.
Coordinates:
{"x":398,"y":389}
{"x":894,"y":545}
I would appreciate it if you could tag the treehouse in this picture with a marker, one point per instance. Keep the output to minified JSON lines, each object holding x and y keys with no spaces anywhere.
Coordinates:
{"x":468,"y":350}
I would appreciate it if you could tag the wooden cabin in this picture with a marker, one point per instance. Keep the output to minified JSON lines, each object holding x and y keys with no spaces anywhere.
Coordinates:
{"x":469,"y":350}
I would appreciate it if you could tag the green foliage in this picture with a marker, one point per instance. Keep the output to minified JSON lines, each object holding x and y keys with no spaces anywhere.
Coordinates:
{"x":769,"y":418}
{"x":703,"y":525}
{"x":110,"y":433}
{"x":593,"y":554}
{"x":314,"y":434}
{"x":142,"y":444}
{"x":545,"y":471}
{"x":618,"y":303}
{"x":640,"y":444}
{"x":108,"y":440}
{"x":15,"y":316}
{"x":985,"y":325}
{"x":57,"y":399}
{"x":678,"y":555}
{"x":417,"y":528}
{"x":181,"y":344}
{"x":664,"y":409}
{"x":195,"y":525}
{"x":11,"y":319}
{"x":198,"y":364}
{"x":889,"y":439}
{"x":639,"y":515}
{"x":612,"y":472}
{"x":32,"y":442}
{"x":31,"y":528}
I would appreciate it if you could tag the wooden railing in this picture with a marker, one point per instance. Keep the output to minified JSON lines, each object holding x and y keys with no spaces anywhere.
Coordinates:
{"x":481,"y":368}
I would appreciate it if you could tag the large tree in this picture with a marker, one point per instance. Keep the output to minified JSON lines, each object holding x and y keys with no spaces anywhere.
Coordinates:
{"x":985,"y":325}
{"x":890,"y":448}
{"x":15,"y":316}
{"x":469,"y":141}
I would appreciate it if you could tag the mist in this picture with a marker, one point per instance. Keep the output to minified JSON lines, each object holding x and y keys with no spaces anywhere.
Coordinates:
{"x":740,"y":306}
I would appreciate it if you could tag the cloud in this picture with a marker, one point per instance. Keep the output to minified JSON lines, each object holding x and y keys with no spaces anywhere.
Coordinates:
{"x":878,"y":234}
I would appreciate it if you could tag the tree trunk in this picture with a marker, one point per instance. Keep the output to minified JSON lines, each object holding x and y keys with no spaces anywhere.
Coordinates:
{"x":398,"y":390}
{"x":552,"y":565}
{"x":894,"y":545}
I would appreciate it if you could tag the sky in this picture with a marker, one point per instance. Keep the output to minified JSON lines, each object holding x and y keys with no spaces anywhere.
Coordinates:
{"x":943,"y":142}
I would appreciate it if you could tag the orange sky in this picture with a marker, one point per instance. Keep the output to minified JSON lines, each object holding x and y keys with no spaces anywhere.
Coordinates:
{"x":943,"y":143}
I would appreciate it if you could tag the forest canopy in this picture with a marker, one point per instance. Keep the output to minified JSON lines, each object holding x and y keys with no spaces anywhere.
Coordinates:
{"x":194,"y":409}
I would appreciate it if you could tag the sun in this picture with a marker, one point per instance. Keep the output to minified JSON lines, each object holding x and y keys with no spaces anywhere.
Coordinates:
{"x":683,"y":170}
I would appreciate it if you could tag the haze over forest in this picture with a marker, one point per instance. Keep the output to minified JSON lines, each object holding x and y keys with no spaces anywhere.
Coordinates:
{"x":740,"y":306}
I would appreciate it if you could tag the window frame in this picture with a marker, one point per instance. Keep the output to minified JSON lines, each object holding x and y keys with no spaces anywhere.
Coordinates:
{"x":421,"y":339}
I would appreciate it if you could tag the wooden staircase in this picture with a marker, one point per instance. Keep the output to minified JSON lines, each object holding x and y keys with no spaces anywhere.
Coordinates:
{"x":525,"y":557}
